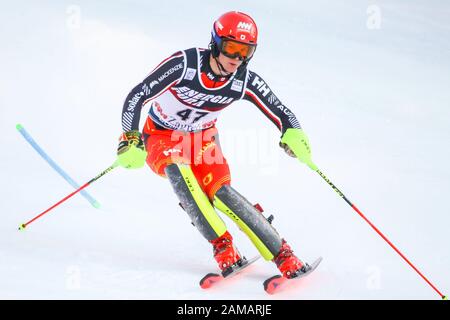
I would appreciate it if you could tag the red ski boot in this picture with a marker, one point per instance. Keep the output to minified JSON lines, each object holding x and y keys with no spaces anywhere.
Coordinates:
{"x":288,"y":264}
{"x":224,"y":251}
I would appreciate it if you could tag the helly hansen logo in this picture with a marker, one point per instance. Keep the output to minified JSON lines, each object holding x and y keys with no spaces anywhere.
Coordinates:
{"x":261,"y":85}
{"x":245,"y":26}
{"x":197,"y":99}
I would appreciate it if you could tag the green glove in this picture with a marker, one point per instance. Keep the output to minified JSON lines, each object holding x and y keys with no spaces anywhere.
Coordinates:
{"x":131,"y":153}
{"x":295,"y":142}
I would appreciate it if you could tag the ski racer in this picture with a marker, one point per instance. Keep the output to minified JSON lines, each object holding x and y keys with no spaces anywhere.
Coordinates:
{"x":179,"y":140}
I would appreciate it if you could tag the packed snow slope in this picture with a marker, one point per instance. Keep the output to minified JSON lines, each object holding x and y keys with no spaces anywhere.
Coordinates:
{"x":368,"y":80}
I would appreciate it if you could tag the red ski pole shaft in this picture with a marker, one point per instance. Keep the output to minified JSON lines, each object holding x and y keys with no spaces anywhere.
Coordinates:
{"x":379,"y":232}
{"x":24,"y":225}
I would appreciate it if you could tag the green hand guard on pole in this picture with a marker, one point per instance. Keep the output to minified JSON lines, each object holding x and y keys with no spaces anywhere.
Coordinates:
{"x":131,"y":153}
{"x":298,"y":143}
{"x":132,"y":157}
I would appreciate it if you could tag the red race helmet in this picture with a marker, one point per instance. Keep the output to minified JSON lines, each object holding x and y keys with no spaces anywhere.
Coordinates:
{"x":235,"y":35}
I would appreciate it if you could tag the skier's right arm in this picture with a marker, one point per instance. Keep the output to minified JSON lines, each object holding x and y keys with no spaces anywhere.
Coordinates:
{"x":131,"y":151}
{"x":165,"y":75}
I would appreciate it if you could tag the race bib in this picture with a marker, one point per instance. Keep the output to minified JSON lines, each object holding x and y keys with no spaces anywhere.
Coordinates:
{"x":172,"y":114}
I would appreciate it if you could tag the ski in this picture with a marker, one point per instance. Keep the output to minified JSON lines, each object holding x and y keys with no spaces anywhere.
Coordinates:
{"x":275,"y":283}
{"x":212,"y":278}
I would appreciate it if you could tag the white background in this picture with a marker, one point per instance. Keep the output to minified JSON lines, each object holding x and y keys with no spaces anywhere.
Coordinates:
{"x":368,"y":80}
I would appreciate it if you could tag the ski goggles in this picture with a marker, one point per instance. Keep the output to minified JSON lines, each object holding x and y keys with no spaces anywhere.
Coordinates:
{"x":233,"y":49}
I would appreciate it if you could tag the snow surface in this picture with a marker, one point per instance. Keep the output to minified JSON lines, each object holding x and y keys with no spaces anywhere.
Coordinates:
{"x":368,"y":80}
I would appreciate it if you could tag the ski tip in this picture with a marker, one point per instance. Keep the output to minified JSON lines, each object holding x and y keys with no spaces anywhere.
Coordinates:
{"x":19,"y":127}
{"x":271,"y":290}
{"x":444,"y":298}
{"x":22,"y":227}
{"x":208,"y":280}
{"x":316,"y":262}
{"x":271,"y":284}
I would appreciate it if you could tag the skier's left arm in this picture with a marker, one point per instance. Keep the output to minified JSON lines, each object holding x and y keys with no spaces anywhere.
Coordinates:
{"x":293,"y":139}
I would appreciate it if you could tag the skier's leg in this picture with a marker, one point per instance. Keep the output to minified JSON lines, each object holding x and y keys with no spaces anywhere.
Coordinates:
{"x":214,"y":176}
{"x":210,"y":166}
{"x":168,"y":157}
{"x":194,"y":201}
{"x":263,"y":235}
{"x":265,"y":238}
{"x":202,"y":213}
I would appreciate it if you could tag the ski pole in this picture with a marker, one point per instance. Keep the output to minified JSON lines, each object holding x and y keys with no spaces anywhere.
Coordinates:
{"x":378,"y":231}
{"x":54,"y":165}
{"x":114,"y":165}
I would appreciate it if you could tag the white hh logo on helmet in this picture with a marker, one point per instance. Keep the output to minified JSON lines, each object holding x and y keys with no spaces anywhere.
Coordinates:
{"x":219,"y":25}
{"x":245,"y":26}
